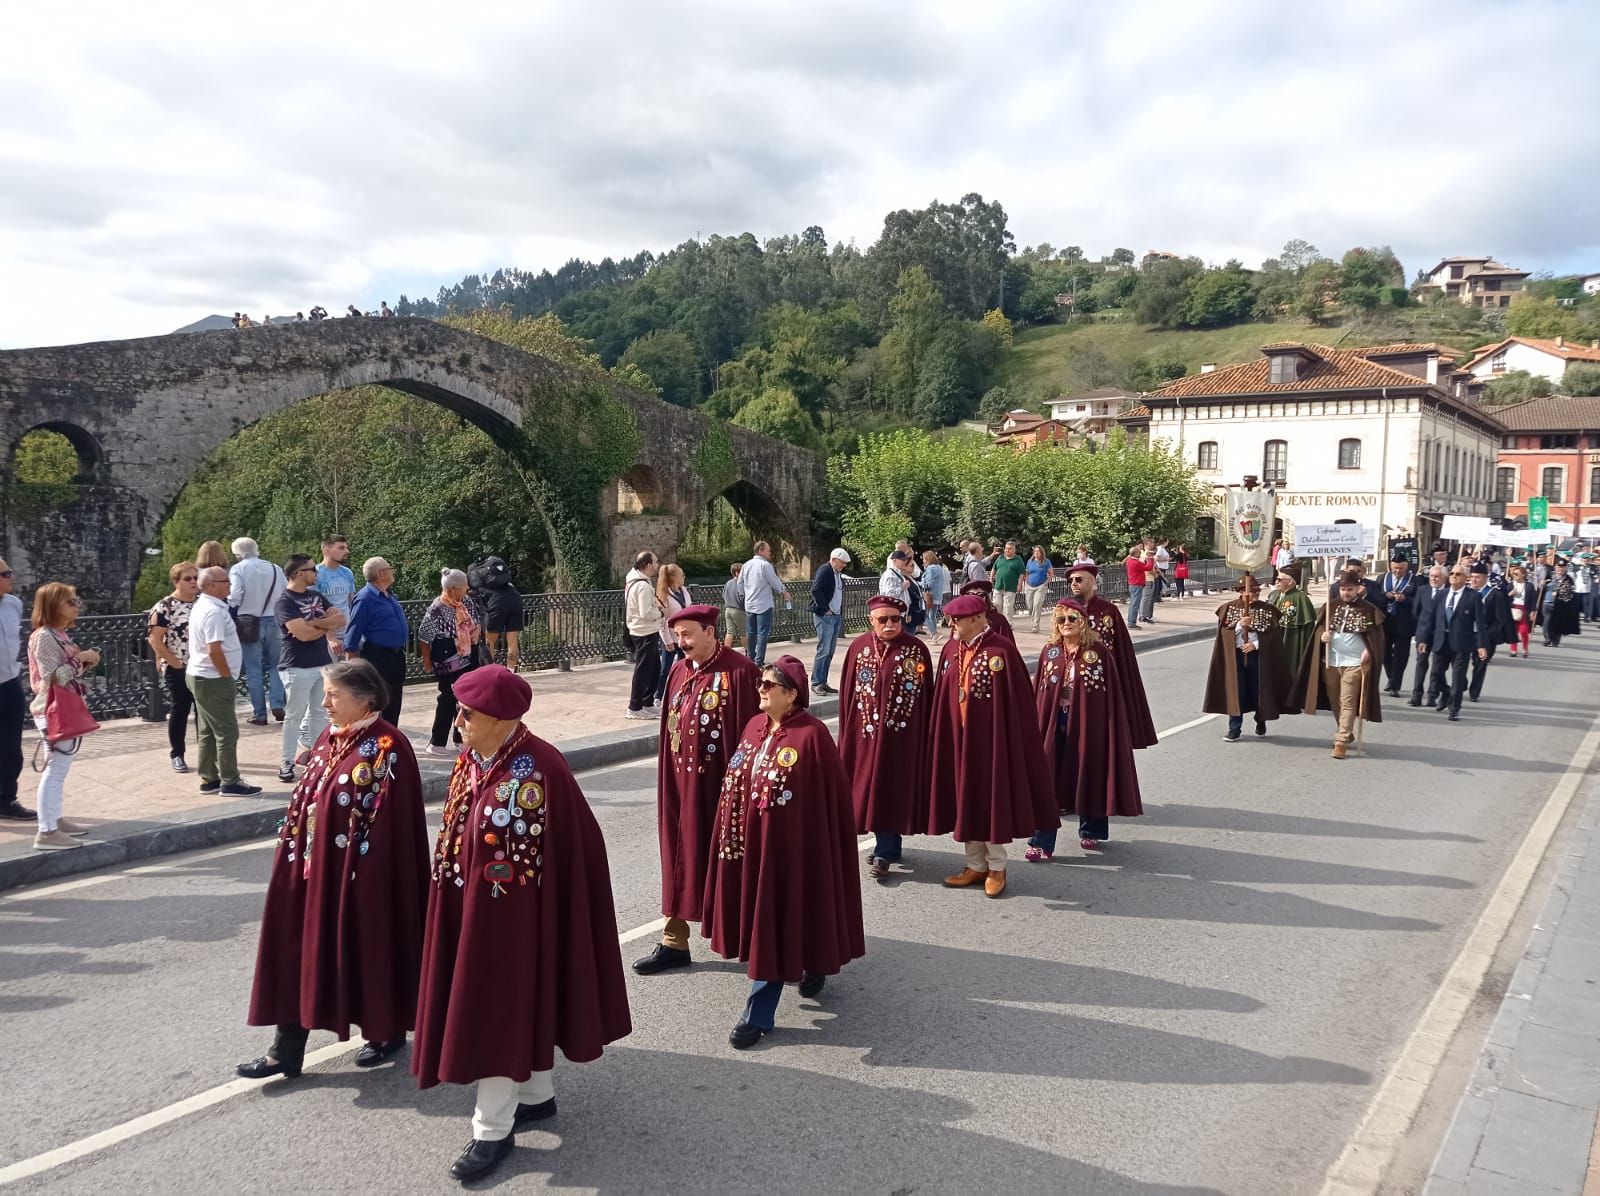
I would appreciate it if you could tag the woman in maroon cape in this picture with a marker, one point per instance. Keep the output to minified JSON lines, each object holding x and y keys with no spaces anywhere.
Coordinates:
{"x":1107,"y":622}
{"x":341,"y":935}
{"x":520,"y":955}
{"x":985,"y":590}
{"x":782,"y":894}
{"x":883,"y":731}
{"x":989,"y":782}
{"x":1084,"y":731}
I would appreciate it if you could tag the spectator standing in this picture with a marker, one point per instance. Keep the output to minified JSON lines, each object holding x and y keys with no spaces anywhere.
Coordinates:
{"x":761,"y":590}
{"x":733,"y":607}
{"x":377,"y":632}
{"x":55,"y":662}
{"x":1134,"y":564}
{"x":936,"y":586}
{"x":1180,"y":571}
{"x":212,"y":671}
{"x":1039,"y":573}
{"x":448,"y":639}
{"x":169,"y":640}
{"x":671,"y":597}
{"x":308,"y":620}
{"x":1082,"y":556}
{"x":905,"y":547}
{"x":1284,"y":556}
{"x":256,"y":585}
{"x":642,"y":617}
{"x":336,"y":583}
{"x":1008,"y":572}
{"x":384,"y":312}
{"x":976,"y":566}
{"x":13,"y":706}
{"x":209,"y":554}
{"x":1162,"y":559}
{"x":502,"y":603}
{"x":827,"y":616}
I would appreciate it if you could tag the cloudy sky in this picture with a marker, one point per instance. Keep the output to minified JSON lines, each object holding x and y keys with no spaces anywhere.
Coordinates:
{"x":161,"y":162}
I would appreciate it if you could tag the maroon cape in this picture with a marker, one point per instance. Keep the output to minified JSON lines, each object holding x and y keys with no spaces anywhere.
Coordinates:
{"x":999,"y":623}
{"x":1107,"y":620}
{"x":989,"y":780}
{"x":1092,"y":759}
{"x":783,"y":893}
{"x":341,"y":935}
{"x":887,"y":693}
{"x":511,"y":967}
{"x":704,"y":711}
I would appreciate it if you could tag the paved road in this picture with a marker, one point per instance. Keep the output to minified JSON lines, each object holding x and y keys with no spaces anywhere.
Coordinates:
{"x":1207,"y":1008}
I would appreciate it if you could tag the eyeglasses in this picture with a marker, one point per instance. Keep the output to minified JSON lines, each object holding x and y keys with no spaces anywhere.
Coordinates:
{"x":7,"y":573}
{"x":885,"y":620}
{"x":766,"y":684}
{"x":1074,"y":617}
{"x":185,"y":577}
{"x":306,"y":569}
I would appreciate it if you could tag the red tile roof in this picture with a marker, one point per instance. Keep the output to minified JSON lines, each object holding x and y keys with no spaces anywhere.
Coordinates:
{"x":1328,"y":369}
{"x":1554,"y":414}
{"x":1569,"y":351}
{"x":1405,"y":348}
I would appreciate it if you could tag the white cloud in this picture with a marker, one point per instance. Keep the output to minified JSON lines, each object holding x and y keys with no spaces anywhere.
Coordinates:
{"x":161,"y":162}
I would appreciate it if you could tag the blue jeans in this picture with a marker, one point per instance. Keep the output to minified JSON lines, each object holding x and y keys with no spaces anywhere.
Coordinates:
{"x":668,"y":657}
{"x":261,"y":668}
{"x":762,"y":1007}
{"x":887,"y":846}
{"x":760,"y":632}
{"x":827,"y":627}
{"x":932,"y":624}
{"x":1135,"y":601}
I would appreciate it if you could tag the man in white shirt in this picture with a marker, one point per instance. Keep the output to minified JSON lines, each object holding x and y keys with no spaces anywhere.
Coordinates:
{"x":215,"y":655}
{"x":642,"y":616}
{"x":761,"y":588}
{"x":13,"y":706}
{"x":257,"y":585}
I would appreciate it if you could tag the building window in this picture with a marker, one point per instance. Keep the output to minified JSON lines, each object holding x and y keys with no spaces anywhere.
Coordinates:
{"x":1558,"y":442}
{"x":1350,"y":454}
{"x":1505,"y":484}
{"x":1207,"y":458}
{"x":1275,"y":463}
{"x":1553,"y":476}
{"x":1508,"y":442}
{"x":1455,"y":271}
{"x":1594,"y":485}
{"x":1497,"y":363}
{"x":1285,"y":368}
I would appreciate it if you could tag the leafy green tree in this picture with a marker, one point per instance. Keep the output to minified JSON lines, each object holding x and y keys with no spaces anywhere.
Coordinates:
{"x":1153,"y":371}
{"x":1515,"y":386}
{"x":1315,"y":289}
{"x":1581,"y":378}
{"x":777,"y":413}
{"x":995,"y":321}
{"x":1540,"y":318}
{"x":995,"y":403}
{"x":1161,"y":294}
{"x":1217,"y":297}
{"x":1367,"y":276}
{"x":45,"y":458}
{"x":670,"y":360}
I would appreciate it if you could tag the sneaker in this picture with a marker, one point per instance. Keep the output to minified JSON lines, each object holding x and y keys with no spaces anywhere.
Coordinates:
{"x":15,"y":811}
{"x":56,"y":840}
{"x":240,"y":789}
{"x":432,"y":750}
{"x":210,"y":786}
{"x":179,"y":764}
{"x":277,"y":713}
{"x":76,"y":829}
{"x":640,"y":716}
{"x":286,"y":771}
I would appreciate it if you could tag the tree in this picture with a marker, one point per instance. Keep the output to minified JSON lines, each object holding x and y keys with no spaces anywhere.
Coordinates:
{"x":1540,"y":318}
{"x":45,"y":458}
{"x":1515,"y":386}
{"x":995,"y":403}
{"x":1218,"y":297}
{"x":669,"y":359}
{"x":777,"y":413}
{"x":1153,"y":371}
{"x":1089,"y":367}
{"x":1367,"y":276}
{"x":1161,"y":293}
{"x":1316,"y":288}
{"x":996,"y":322}
{"x":1581,"y":378}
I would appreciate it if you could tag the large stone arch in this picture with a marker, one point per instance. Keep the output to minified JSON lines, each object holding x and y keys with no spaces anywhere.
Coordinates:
{"x":154,"y":408}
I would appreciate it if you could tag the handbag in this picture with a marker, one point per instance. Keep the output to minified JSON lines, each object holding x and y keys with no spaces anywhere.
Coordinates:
{"x":249,"y":626}
{"x":66,"y":715}
{"x":1182,"y":571}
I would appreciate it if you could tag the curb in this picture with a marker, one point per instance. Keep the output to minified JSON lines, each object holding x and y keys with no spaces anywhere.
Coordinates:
{"x":218,"y":826}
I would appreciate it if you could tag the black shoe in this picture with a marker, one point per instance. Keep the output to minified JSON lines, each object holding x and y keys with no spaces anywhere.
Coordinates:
{"x":1414,"y":702}
{"x":745,"y":1036}
{"x":661,"y":959}
{"x":373,"y":1053}
{"x":480,"y":1158}
{"x":257,"y":720}
{"x":15,"y":811}
{"x":210,"y":786}
{"x":528,"y":1114}
{"x":1455,"y":716}
{"x":277,"y":713}
{"x":1471,"y":698}
{"x":1231,"y":737}
{"x":810,"y":986}
{"x":286,"y":772}
{"x":823,"y":689}
{"x":1261,"y":730}
{"x":265,"y":1066}
{"x":179,"y":764}
{"x":240,"y":789}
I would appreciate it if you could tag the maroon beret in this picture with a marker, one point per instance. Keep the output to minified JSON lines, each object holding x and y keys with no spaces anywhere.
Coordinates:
{"x":978,"y":587}
{"x":1091,"y":570}
{"x":496,"y":691}
{"x":702,"y":614}
{"x":966,"y":604}
{"x":880,"y":600}
{"x":1073,"y":604}
{"x":795,"y":672}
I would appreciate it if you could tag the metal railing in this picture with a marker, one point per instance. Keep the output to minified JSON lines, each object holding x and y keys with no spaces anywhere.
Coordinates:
{"x":559,"y":631}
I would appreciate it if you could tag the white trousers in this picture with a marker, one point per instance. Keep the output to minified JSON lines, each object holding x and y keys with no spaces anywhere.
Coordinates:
{"x":985,"y":857}
{"x":498,"y":1098}
{"x":303,"y":716}
{"x":53,"y":782}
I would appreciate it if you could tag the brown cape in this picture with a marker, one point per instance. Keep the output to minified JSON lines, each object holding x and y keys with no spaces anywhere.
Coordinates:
{"x":1275,"y":680}
{"x":887,"y":702}
{"x":1311,"y":682}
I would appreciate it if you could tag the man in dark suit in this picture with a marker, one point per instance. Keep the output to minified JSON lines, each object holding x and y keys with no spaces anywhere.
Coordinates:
{"x":1374,"y":591}
{"x":1427,"y":595}
{"x":1497,"y":620}
{"x":1400,"y":621}
{"x":827,"y":616}
{"x":1451,"y":632}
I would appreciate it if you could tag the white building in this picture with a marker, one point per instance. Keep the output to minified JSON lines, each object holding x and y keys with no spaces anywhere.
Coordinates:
{"x":1547,"y":358}
{"x":1590,"y":284}
{"x":1383,"y":437}
{"x":1476,"y":281}
{"x":1092,"y":413}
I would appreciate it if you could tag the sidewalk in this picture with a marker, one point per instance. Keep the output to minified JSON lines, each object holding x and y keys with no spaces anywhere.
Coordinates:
{"x":122,"y":786}
{"x":1527,"y":1123}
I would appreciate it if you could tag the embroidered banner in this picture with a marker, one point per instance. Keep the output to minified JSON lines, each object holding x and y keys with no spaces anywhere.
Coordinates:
{"x":1249,"y":520}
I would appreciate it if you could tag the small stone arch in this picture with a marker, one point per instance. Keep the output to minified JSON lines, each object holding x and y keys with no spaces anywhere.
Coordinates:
{"x":91,"y":457}
{"x":639,"y":491}
{"x":767,"y":520}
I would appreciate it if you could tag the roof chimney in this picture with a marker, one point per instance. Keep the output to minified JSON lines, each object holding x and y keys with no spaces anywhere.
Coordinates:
{"x":1561,"y":342}
{"x":1209,"y":367}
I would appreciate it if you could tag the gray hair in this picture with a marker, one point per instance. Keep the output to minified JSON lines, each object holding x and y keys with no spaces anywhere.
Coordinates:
{"x":244,"y":546}
{"x":452,"y":579}
{"x":360,"y":679}
{"x":212,"y":573}
{"x":374,"y":566}
{"x":1439,"y":569}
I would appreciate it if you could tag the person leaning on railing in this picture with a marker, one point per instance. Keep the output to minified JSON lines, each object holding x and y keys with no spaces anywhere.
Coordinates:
{"x":169,"y":640}
{"x":54,"y":660}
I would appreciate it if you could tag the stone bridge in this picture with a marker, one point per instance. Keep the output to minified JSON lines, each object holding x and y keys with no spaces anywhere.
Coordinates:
{"x":143,"y":414}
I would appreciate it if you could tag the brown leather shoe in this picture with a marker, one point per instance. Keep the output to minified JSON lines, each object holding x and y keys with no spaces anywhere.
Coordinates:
{"x":1338,"y":751}
{"x":964,"y":878}
{"x":996,"y":884}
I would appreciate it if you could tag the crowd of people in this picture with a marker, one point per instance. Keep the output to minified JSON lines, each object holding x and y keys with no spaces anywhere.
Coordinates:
{"x":319,"y":313}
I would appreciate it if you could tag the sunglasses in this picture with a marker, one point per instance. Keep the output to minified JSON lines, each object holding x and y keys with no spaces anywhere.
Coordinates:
{"x":766,"y":684}
{"x":1072,"y":617}
{"x":885,"y":620}
{"x":7,"y":573}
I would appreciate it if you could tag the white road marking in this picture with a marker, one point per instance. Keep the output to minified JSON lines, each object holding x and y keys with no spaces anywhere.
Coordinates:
{"x":85,"y":882}
{"x":1193,"y":722}
{"x":128,"y":1130}
{"x":1360,"y":1168}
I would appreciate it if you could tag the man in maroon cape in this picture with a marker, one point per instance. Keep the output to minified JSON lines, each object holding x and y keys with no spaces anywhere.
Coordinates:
{"x":1107,"y":622}
{"x":711,"y":694}
{"x":883,"y":730}
{"x":989,"y":782}
{"x":1086,"y":742}
{"x":341,"y":935}
{"x":782,"y":893}
{"x":997,"y":620}
{"x":514,"y":967}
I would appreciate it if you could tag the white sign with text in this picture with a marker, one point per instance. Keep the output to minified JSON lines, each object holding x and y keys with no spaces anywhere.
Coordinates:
{"x":1331,"y":539}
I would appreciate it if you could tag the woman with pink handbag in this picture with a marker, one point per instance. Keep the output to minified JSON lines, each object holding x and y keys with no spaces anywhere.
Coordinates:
{"x":55,"y":670}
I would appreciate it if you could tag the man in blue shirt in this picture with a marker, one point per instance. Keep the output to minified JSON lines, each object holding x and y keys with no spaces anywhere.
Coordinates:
{"x":335,"y":582}
{"x":378,"y":631}
{"x":761,"y":588}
